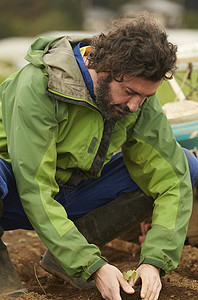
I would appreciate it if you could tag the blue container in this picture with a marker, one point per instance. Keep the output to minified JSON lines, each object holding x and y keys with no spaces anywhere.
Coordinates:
{"x":187,"y":134}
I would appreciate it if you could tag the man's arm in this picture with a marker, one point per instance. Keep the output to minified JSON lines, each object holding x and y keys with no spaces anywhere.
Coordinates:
{"x":157,"y":163}
{"x":31,"y":123}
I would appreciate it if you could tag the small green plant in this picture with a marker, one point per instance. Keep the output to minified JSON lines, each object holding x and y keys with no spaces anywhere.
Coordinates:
{"x":130,"y":275}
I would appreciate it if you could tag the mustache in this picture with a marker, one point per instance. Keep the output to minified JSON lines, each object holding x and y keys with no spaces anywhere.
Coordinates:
{"x":122,"y":107}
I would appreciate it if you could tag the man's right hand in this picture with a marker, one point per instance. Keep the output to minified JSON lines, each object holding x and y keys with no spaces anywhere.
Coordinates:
{"x":108,"y":280}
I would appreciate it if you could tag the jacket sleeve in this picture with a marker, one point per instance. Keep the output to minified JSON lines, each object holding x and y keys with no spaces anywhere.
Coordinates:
{"x":157,"y":163}
{"x":31,"y":125}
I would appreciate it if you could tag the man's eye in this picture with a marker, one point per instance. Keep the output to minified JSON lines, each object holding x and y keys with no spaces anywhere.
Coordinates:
{"x":129,"y":93}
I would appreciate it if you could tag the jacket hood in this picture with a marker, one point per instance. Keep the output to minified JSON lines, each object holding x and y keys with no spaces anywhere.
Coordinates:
{"x":42,"y":45}
{"x":56,"y":56}
{"x":37,"y":50}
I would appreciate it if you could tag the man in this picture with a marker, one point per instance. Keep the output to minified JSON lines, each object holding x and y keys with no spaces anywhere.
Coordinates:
{"x":64,"y":116}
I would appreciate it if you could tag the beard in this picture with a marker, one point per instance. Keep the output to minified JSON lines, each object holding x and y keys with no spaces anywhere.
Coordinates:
{"x":104,"y":100}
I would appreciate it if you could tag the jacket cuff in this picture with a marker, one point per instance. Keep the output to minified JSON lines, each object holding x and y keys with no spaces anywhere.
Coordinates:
{"x":155,"y":262}
{"x":86,"y":276}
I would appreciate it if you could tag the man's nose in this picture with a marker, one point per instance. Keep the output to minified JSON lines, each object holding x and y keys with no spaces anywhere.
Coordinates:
{"x":134,"y":103}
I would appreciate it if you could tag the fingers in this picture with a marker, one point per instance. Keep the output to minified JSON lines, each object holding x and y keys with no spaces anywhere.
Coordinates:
{"x":151,"y":283}
{"x":111,"y":294}
{"x":150,"y":292}
{"x":108,"y":280}
{"x":127,"y":288}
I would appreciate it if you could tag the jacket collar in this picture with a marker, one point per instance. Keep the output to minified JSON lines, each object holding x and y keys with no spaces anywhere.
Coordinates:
{"x":65,"y":77}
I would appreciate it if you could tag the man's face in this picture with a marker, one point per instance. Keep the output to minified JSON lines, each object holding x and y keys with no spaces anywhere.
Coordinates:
{"x":115,"y":99}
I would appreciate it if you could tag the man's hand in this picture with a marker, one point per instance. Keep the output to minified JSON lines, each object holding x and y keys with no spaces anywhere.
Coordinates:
{"x":108,"y":280}
{"x":151,"y":283}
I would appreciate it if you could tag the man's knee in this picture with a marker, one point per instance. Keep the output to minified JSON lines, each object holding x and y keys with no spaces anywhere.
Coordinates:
{"x":1,"y":208}
{"x":193,"y":165}
{"x":1,"y":213}
{"x":107,"y":222}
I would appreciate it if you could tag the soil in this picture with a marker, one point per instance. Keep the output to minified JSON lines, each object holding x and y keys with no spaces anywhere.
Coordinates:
{"x":25,"y":249}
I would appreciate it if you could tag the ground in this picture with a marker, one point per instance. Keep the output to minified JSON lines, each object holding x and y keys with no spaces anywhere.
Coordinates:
{"x":25,"y":249}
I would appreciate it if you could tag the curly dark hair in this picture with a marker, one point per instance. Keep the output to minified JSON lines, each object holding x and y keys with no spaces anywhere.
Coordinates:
{"x":138,"y":47}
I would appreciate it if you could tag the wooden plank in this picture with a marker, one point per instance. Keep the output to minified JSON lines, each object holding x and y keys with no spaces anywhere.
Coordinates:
{"x":124,"y":246}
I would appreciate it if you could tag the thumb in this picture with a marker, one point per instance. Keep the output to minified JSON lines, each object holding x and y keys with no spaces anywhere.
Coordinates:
{"x":126,"y":286}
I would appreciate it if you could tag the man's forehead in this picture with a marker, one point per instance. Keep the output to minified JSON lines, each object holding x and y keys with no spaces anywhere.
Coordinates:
{"x":128,"y":78}
{"x":140,"y":86}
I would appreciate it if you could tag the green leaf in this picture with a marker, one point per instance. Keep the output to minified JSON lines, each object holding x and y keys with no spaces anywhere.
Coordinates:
{"x":129,"y":275}
{"x":125,"y":275}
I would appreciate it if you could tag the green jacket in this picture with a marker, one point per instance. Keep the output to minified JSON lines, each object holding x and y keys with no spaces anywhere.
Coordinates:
{"x":52,"y":132}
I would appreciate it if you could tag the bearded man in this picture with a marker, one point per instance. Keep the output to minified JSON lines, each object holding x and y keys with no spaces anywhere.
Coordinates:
{"x":64,"y":116}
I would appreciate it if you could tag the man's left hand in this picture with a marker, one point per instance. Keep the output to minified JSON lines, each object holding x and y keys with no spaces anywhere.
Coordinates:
{"x":151,"y":283}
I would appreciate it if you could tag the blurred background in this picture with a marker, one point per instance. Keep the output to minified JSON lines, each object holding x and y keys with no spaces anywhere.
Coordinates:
{"x":32,"y":17}
{"x":22,"y":21}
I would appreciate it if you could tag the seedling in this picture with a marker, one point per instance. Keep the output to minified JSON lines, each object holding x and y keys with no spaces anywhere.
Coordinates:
{"x":130,"y":275}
